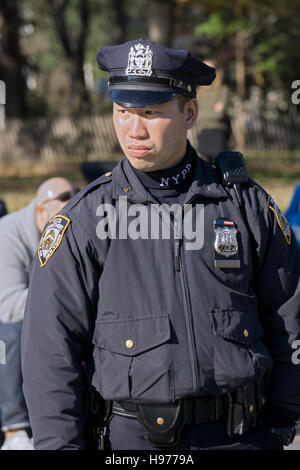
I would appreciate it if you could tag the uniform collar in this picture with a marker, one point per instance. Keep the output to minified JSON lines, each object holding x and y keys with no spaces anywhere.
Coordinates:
{"x":126,"y":183}
{"x":205,"y":182}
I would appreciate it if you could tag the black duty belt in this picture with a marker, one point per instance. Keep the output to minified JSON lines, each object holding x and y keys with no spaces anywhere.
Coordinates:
{"x":197,"y":410}
{"x":241,"y":409}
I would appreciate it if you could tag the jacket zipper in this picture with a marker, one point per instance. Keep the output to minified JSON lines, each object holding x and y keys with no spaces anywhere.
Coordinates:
{"x":179,"y":260}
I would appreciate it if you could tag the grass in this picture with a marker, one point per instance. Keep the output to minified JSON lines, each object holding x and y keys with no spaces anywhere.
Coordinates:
{"x":278,"y":179}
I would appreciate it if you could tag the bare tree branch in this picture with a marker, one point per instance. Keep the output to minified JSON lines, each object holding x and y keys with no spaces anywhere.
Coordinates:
{"x":74,"y":45}
{"x":58,"y":11}
{"x":160,"y":19}
{"x":121,"y":19}
{"x":12,"y":61}
{"x":84,"y":27}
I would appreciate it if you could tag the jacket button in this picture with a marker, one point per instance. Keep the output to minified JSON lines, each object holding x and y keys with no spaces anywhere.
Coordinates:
{"x":246,"y":333}
{"x":126,"y":189}
{"x":160,"y":421}
{"x":129,"y":344}
{"x":251,"y":408}
{"x":109,"y":173}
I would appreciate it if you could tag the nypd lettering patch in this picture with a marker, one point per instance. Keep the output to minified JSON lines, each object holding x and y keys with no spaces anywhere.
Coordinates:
{"x":52,"y":237}
{"x":281,"y":220}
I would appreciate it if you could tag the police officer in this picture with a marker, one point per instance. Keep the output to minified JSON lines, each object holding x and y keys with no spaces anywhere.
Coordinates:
{"x":189,"y":334}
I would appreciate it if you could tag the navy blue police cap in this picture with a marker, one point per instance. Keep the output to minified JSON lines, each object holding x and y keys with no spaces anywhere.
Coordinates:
{"x":144,"y":73}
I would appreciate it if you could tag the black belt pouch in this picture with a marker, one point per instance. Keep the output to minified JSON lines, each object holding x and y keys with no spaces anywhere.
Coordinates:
{"x":163,"y":423}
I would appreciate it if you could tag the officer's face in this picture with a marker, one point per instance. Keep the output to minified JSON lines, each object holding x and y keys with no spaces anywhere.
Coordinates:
{"x":154,"y":137}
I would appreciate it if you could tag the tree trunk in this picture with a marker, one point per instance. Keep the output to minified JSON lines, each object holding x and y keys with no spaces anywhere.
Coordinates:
{"x":121,"y":21}
{"x":74,"y":50}
{"x":241,"y":41}
{"x":79,"y":97}
{"x":161,"y":21}
{"x":11,"y":60}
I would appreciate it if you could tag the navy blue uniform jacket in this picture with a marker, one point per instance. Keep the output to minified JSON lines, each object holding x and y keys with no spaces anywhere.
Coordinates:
{"x":156,"y":333}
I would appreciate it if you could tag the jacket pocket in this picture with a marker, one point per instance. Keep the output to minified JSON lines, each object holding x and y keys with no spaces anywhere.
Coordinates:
{"x":239,"y":355}
{"x":133,"y":359}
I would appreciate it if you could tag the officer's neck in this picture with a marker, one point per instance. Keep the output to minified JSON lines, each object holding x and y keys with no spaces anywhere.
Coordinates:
{"x":168,"y":178}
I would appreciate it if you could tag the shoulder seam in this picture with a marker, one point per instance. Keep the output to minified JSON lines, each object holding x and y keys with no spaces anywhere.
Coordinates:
{"x":89,"y":240}
{"x":259,"y":191}
{"x":89,"y":188}
{"x":73,"y":216}
{"x":257,"y":187}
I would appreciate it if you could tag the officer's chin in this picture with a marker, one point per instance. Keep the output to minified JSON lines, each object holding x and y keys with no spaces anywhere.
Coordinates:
{"x":144,"y":162}
{"x":145,"y":166}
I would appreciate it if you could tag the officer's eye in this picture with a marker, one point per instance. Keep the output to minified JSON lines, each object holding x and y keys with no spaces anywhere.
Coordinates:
{"x":150,"y":112}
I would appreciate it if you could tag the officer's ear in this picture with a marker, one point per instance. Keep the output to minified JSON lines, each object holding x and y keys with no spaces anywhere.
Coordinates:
{"x":191,"y":112}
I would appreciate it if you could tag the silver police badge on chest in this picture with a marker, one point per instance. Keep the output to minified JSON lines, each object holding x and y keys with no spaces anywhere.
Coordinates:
{"x":140,"y":61}
{"x":226,"y":244}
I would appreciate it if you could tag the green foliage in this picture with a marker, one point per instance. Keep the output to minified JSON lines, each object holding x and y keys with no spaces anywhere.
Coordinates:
{"x":217,"y":27}
{"x":271,"y":32}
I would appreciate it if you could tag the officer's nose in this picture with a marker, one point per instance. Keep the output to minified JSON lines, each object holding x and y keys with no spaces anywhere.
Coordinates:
{"x":138,"y":129}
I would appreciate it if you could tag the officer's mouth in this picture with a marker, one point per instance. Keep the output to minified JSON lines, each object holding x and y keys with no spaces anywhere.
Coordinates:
{"x":138,"y":150}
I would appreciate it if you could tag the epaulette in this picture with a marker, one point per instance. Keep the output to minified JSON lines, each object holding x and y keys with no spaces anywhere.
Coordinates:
{"x":106,"y":178}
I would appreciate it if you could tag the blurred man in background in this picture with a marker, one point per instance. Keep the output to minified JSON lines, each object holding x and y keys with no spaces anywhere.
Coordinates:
{"x":19,"y":237}
{"x":3,"y":210}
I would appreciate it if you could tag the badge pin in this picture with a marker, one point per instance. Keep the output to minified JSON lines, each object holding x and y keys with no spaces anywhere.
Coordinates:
{"x":226,"y":244}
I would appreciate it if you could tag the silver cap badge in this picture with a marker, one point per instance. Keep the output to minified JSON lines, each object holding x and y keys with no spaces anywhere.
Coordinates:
{"x":140,"y":61}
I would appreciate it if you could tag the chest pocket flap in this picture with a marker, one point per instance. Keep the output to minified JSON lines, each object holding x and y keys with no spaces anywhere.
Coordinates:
{"x":134,"y":336}
{"x":239,"y":326}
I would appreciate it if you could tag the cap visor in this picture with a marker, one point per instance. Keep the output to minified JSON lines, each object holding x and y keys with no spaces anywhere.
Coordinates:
{"x":139,"y":98}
